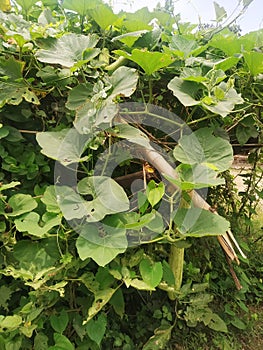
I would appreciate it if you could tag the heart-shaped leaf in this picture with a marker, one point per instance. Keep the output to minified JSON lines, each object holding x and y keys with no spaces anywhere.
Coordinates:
{"x":69,"y":50}
{"x":21,"y":203}
{"x":101,"y":244}
{"x":202,"y":147}
{"x":149,"y":61}
{"x":197,"y":222}
{"x":96,"y":328}
{"x":66,"y":145}
{"x":151,"y":272}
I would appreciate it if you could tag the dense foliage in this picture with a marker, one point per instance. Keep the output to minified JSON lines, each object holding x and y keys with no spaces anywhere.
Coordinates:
{"x":65,"y":70}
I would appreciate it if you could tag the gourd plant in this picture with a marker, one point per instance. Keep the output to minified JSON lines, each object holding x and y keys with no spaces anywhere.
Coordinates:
{"x":88,"y":100}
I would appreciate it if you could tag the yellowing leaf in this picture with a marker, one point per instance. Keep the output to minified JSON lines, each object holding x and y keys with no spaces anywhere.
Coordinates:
{"x":5,"y":5}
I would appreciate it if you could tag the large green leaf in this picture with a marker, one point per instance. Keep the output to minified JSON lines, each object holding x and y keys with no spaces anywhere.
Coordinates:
{"x":124,"y":81}
{"x":216,"y":323}
{"x":202,"y":147}
{"x":21,"y":203}
{"x":101,"y":245}
{"x":224,"y":101}
{"x":66,"y":145}
{"x":73,"y":206}
{"x":254,"y":61}
{"x":13,"y":88}
{"x":10,"y":323}
{"x":35,"y":257}
{"x":197,"y":222}
{"x":185,"y":91}
{"x":149,"y":61}
{"x":26,"y":4}
{"x":70,"y":49}
{"x":82,"y":7}
{"x":195,"y":177}
{"x":132,"y":134}
{"x":79,"y":96}
{"x":228,"y":43}
{"x":104,"y":16}
{"x":182,"y":46}
{"x":130,"y":38}
{"x":31,"y":223}
{"x":106,"y":193}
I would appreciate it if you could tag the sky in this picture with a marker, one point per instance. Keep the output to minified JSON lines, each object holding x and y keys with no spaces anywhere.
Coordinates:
{"x":191,"y":10}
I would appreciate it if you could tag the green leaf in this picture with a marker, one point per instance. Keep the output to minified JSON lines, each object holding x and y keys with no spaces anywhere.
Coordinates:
{"x":185,"y":91}
{"x":227,"y":63}
{"x":69,"y":50}
{"x":21,"y":203}
{"x":124,"y":81}
{"x":202,"y":147}
{"x":10,"y":322}
{"x":236,"y":322}
{"x":168,"y":275}
{"x":49,"y":198}
{"x":220,"y":12}
{"x":245,"y":130}
{"x":59,"y":322}
{"x":217,"y":324}
{"x":13,"y":88}
{"x":132,"y":134}
{"x":30,"y":223}
{"x":227,"y":43}
{"x":41,"y":341}
{"x":5,"y":295}
{"x":195,"y":177}
{"x":108,"y":196}
{"x":35,"y":257}
{"x":151,"y":272}
{"x":224,"y":104}
{"x":61,"y":343}
{"x":97,"y":328}
{"x":154,"y":195}
{"x":130,"y":38}
{"x":79,"y":96}
{"x":160,"y":339}
{"x":183,"y":46}
{"x":12,"y":184}
{"x":149,"y":61}
{"x":197,"y":222}
{"x":3,"y":132}
{"x":101,"y":298}
{"x":139,"y":284}
{"x":117,"y":302}
{"x":66,"y":145}
{"x":104,"y":16}
{"x":82,"y":7}
{"x":26,"y":4}
{"x":101,"y":244}
{"x":254,"y":61}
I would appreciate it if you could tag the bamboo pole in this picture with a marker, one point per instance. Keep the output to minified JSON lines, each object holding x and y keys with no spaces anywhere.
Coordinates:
{"x":159,"y":163}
